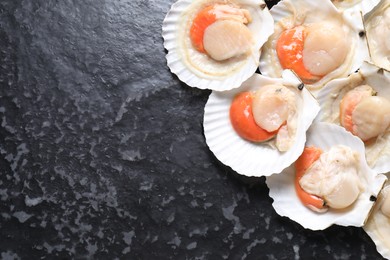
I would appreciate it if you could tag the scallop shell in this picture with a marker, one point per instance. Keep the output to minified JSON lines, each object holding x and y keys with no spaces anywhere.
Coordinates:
{"x":355,"y":5}
{"x":247,"y":158}
{"x":377,"y":30}
{"x":197,"y":69}
{"x":368,"y":5}
{"x":286,"y":203}
{"x":378,"y":225}
{"x":289,"y":13}
{"x":378,"y":153}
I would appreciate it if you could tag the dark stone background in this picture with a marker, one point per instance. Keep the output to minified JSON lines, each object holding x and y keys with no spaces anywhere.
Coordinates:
{"x":102,"y":153}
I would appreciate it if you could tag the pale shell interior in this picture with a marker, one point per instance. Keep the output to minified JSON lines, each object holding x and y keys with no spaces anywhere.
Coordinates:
{"x":286,"y":203}
{"x":377,"y":30}
{"x":378,"y":226}
{"x":247,"y":158}
{"x":289,"y":13}
{"x":363,"y":6}
{"x":197,"y":69}
{"x":377,"y":153}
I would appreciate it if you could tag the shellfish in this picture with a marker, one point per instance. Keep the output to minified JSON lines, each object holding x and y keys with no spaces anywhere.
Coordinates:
{"x":315,"y":40}
{"x":253,"y":158}
{"x":361,"y":103}
{"x":215,"y":44}
{"x":287,"y":202}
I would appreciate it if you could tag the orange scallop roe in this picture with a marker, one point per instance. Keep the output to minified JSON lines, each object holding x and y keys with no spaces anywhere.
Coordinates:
{"x":308,"y":157}
{"x":347,"y":106}
{"x":202,"y":20}
{"x":289,"y":49}
{"x":241,"y":117}
{"x":210,"y":14}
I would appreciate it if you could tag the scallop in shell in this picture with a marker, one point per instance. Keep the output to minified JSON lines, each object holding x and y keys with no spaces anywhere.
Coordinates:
{"x":286,"y":202}
{"x":315,"y":40}
{"x":250,"y":158}
{"x":377,"y":24}
{"x":195,"y":65}
{"x":378,"y":224}
{"x":375,"y":115}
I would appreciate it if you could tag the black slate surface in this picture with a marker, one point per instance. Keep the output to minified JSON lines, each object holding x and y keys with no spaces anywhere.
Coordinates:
{"x":102,"y":154}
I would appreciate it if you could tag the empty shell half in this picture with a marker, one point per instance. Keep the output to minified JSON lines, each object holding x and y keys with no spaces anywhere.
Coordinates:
{"x":273,"y":154}
{"x":215,"y":44}
{"x":361,"y":103}
{"x":366,"y":182}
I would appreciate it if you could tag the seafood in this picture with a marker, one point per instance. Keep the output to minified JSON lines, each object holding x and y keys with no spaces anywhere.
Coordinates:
{"x":331,"y":177}
{"x":268,"y":112}
{"x":315,"y":40}
{"x":243,"y":122}
{"x":215,"y":44}
{"x":368,"y":118}
{"x":256,"y":157}
{"x":344,"y":197}
{"x":361,"y":104}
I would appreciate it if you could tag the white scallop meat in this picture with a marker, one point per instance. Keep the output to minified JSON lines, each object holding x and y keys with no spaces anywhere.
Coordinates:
{"x":200,"y":70}
{"x":290,"y":14}
{"x":249,"y":158}
{"x":285,"y":199}
{"x":377,"y":149}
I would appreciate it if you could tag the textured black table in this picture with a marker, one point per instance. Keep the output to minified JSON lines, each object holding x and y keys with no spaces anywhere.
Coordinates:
{"x":102,"y":153}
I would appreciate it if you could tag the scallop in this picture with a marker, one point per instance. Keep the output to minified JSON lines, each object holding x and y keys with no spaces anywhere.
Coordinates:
{"x":371,"y":117}
{"x":215,"y":44}
{"x":272,"y":106}
{"x":258,"y":158}
{"x":316,"y":40}
{"x":378,"y":224}
{"x":377,"y":24}
{"x":341,"y":177}
{"x":333,"y":177}
{"x":361,"y":104}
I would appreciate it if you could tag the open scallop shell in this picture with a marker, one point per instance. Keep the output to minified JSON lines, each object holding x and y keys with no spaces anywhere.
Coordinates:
{"x":290,"y":13}
{"x":377,"y":153}
{"x":377,"y":25}
{"x":286,"y":203}
{"x":197,"y":69}
{"x":247,"y":158}
{"x":378,"y":225}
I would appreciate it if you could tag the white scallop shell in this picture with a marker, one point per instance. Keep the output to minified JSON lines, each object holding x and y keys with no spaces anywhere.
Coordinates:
{"x":247,"y":158}
{"x":286,"y":203}
{"x":290,"y":13}
{"x":378,"y":225}
{"x":368,"y":5}
{"x":377,"y":30}
{"x":197,"y":69}
{"x":363,"y":6}
{"x":329,"y":97}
